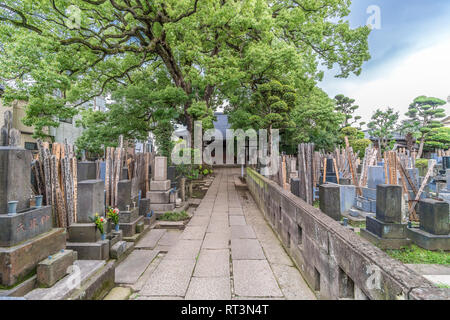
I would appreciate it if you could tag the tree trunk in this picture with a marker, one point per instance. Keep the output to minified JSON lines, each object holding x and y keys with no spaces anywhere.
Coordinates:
{"x":422,"y":142}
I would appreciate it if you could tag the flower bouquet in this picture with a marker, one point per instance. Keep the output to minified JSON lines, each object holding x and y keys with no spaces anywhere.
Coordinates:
{"x":100,"y":224}
{"x":113,"y":214}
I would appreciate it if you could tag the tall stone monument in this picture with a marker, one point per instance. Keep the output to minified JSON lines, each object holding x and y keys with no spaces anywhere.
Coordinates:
{"x":434,"y":232}
{"x":162,"y":196}
{"x":26,"y":233}
{"x":84,"y":236}
{"x":387,"y":229}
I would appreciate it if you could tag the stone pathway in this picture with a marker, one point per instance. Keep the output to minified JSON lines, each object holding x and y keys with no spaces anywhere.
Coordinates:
{"x":227,"y":251}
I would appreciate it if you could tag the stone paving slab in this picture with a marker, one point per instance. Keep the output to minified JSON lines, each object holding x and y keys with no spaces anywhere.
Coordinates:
{"x":194,"y":233}
{"x":235,"y":212}
{"x":138,"y":285}
{"x":216,"y":241}
{"x":237,"y":221}
{"x":213,"y":263}
{"x":246,"y":249}
{"x":218,"y":227}
{"x":220,"y":220}
{"x":171,"y":278}
{"x":170,"y":238}
{"x":254,"y":278}
{"x":184,"y":250}
{"x":292,"y":284}
{"x":209,"y":289}
{"x":275,"y":253}
{"x":242,"y":232}
{"x":134,"y":266}
{"x":199,"y":221}
{"x":150,"y":240}
{"x":202,"y":213}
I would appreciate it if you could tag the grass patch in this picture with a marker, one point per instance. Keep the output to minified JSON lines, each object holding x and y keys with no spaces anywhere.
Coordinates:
{"x":443,"y":286}
{"x":417,"y":255}
{"x":357,"y":224}
{"x":316,"y":204}
{"x":174,"y":216}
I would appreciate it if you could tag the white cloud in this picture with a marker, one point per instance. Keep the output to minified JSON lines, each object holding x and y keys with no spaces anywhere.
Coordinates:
{"x":423,"y":72}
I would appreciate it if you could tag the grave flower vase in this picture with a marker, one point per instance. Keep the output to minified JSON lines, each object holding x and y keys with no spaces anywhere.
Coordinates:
{"x":38,"y":200}
{"x":103,"y":236}
{"x":117,"y":227}
{"x":12,"y":207}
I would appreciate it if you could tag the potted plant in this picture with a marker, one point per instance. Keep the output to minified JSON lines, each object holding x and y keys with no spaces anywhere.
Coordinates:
{"x":100,"y":224}
{"x":113,"y":214}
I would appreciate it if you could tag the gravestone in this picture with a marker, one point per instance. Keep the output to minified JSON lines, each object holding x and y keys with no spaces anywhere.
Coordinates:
{"x":434,"y":232}
{"x":330,"y":200}
{"x":26,"y":237}
{"x":160,"y":173}
{"x":160,"y":188}
{"x":86,"y":170}
{"x":375,"y":176}
{"x":386,"y":230}
{"x":90,"y":200}
{"x":129,"y":209}
{"x":171,"y":175}
{"x":84,"y":236}
{"x":295,"y":186}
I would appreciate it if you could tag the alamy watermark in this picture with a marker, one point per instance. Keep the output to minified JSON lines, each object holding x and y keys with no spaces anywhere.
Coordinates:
{"x":374,"y":20}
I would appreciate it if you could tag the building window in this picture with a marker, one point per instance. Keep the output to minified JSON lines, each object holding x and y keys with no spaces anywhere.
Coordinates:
{"x":31,"y":146}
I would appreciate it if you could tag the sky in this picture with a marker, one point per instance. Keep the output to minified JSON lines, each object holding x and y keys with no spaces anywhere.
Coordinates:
{"x":410,"y":56}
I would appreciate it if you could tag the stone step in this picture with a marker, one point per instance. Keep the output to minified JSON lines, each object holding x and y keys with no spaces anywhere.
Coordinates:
{"x":129,"y":271}
{"x":118,"y":249}
{"x":137,"y":236}
{"x":94,"y":276}
{"x":150,"y":240}
{"x":179,"y":225}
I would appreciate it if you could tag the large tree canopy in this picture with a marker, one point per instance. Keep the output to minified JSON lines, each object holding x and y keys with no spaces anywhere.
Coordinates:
{"x":210,"y":49}
{"x":424,"y":114}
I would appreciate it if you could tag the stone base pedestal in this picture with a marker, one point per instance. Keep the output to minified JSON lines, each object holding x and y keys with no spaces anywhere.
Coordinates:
{"x":129,"y":228}
{"x":159,"y":196}
{"x":129,"y":216}
{"x":385,"y":243}
{"x":429,"y":241}
{"x":386,"y":230}
{"x":18,"y":261}
{"x":162,"y":207}
{"x":24,"y":225}
{"x":366,"y":204}
{"x":83,"y":232}
{"x":159,"y":185}
{"x":90,"y":250}
{"x":385,"y":235}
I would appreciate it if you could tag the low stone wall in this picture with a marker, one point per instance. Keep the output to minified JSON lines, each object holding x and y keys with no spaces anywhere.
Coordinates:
{"x":336,"y":262}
